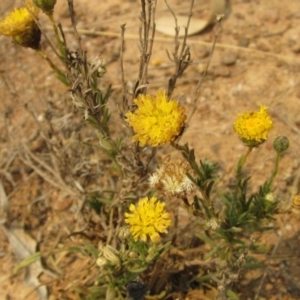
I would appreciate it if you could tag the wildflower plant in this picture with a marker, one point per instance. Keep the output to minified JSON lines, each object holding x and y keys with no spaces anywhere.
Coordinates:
{"x":138,"y":225}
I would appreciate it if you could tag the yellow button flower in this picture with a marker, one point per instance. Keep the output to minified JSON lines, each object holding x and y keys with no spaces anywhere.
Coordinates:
{"x":253,"y":127}
{"x":21,"y":26}
{"x":147,"y":219}
{"x":157,"y":120}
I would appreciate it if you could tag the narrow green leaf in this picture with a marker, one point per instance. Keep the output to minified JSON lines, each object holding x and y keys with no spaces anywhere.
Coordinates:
{"x":232,"y":295}
{"x":27,"y":262}
{"x":91,"y":249}
{"x":206,"y":239}
{"x":211,"y":253}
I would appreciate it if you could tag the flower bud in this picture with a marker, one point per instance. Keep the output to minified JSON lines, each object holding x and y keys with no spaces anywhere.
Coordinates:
{"x":46,"y":6}
{"x":124,"y":233}
{"x":236,"y":229}
{"x":281,"y":143}
{"x":133,"y":254}
{"x":270,"y":197}
{"x":101,"y":262}
{"x":213,"y":224}
{"x":111,"y":254}
{"x":296,"y":204}
{"x":98,"y":67}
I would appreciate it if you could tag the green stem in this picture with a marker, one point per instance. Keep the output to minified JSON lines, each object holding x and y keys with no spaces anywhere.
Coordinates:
{"x":270,"y":182}
{"x":60,"y":75}
{"x":242,"y":162}
{"x":50,"y":16}
{"x":209,"y":203}
{"x":55,"y":29}
{"x":49,"y":61}
{"x":118,"y":167}
{"x":57,"y":36}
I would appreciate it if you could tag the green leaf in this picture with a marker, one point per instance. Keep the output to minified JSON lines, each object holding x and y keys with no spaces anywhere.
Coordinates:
{"x":203,"y":278}
{"x":91,"y":249}
{"x":138,"y":270}
{"x":211,"y":253}
{"x":76,"y":249}
{"x":206,"y":239}
{"x":62,"y":78}
{"x":27,"y":262}
{"x":232,"y":295}
{"x":164,"y":247}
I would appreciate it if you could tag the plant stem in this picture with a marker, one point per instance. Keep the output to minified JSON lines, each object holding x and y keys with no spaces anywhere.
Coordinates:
{"x":60,"y":75}
{"x":49,"y":61}
{"x":58,"y":40}
{"x":278,"y":156}
{"x":242,"y":162}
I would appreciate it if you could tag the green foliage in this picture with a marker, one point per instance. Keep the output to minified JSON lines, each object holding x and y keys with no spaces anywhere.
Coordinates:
{"x":27,"y":262}
{"x":228,"y":230}
{"x":232,"y":295}
{"x":99,"y":200}
{"x":91,"y":249}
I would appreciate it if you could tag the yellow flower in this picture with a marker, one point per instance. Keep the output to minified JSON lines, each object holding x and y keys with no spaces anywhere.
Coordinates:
{"x":156,"y":120}
{"x":253,"y":127}
{"x":147,"y":219}
{"x":21,"y":26}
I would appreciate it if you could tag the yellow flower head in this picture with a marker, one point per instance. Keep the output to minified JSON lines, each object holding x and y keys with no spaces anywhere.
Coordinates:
{"x":21,"y":26}
{"x":156,"y":120}
{"x":253,"y":127}
{"x":147,"y":219}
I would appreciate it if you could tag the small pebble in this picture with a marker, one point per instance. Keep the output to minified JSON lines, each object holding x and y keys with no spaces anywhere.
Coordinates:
{"x":229,"y":58}
{"x":296,"y":48}
{"x":201,"y":68}
{"x":60,"y":202}
{"x":269,"y":286}
{"x":288,"y":227}
{"x":156,"y":62}
{"x":263,"y":45}
{"x":220,"y":71}
{"x":243,"y":42}
{"x":203,"y":52}
{"x":271,"y":15}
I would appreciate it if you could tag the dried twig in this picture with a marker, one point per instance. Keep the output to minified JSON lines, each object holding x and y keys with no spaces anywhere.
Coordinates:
{"x":72,"y":17}
{"x":125,"y":101}
{"x":250,"y":51}
{"x":181,"y":56}
{"x":146,"y":38}
{"x":199,"y":85}
{"x":44,"y":170}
